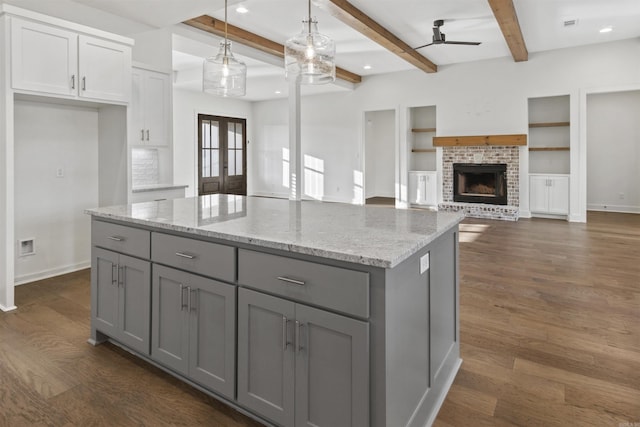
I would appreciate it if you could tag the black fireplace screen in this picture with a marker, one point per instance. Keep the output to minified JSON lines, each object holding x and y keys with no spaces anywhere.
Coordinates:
{"x":480,"y":183}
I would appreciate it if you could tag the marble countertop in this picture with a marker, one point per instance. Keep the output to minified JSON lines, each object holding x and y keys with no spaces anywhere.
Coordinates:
{"x":371,"y":235}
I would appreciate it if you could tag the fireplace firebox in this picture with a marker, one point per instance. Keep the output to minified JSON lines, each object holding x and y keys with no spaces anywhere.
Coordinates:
{"x":480,"y":183}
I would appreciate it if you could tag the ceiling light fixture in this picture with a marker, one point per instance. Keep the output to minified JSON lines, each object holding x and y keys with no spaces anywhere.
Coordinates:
{"x":606,"y":29}
{"x":242,"y":9}
{"x":309,"y":55}
{"x":223,"y":75}
{"x":367,"y":67}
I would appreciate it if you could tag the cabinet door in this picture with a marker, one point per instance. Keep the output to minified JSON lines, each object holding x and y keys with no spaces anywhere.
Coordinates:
{"x":332,"y":369}
{"x":559,"y":195}
{"x":212,"y":339}
{"x":135,"y":300}
{"x":170,"y":320}
{"x":538,"y":194}
{"x":157,"y":87}
{"x":104,"y":69}
{"x":265,"y":356}
{"x":137,"y":126}
{"x":431,"y":190}
{"x":43,"y":58}
{"x":104,"y":291}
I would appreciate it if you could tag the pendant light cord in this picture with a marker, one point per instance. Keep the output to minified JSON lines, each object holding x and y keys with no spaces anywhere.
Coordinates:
{"x":309,"y":16}
{"x":226,"y":42}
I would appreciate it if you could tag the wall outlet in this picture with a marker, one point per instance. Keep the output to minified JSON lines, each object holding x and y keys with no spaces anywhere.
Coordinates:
{"x":424,"y":263}
{"x":60,"y":173}
{"x":621,"y":196}
{"x":26,"y":247}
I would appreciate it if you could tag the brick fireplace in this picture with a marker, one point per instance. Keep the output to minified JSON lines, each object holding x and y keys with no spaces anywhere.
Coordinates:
{"x":506,"y":155}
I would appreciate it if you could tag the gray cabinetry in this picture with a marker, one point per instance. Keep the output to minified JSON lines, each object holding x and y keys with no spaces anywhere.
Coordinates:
{"x":301,"y":366}
{"x":120,"y":297}
{"x":193,"y":327}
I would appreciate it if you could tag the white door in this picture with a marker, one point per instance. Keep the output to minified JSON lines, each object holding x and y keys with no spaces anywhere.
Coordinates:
{"x":104,"y":69}
{"x":538,"y":194}
{"x":43,"y":59}
{"x":559,"y":195}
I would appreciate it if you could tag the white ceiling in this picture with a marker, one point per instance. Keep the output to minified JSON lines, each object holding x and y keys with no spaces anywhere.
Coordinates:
{"x":411,"y":20}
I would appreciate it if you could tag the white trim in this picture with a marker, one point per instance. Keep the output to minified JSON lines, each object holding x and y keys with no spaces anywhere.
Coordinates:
{"x":613,"y":208}
{"x":45,"y":274}
{"x":5,"y":309}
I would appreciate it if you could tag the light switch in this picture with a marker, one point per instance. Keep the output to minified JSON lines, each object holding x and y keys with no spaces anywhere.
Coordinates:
{"x":424,"y":263}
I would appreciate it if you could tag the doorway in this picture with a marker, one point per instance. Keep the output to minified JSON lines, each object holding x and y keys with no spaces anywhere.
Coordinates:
{"x":222,"y":159}
{"x":380,"y":158}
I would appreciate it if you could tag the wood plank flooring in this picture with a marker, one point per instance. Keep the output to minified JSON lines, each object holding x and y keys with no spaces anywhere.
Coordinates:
{"x":550,"y":336}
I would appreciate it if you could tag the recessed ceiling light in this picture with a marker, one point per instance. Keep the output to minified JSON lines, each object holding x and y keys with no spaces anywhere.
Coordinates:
{"x":367,"y":67}
{"x":242,"y":9}
{"x":606,"y":29}
{"x":278,"y":92}
{"x":570,"y":22}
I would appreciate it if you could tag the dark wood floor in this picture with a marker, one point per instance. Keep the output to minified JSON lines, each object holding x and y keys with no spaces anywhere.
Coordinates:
{"x":550,"y":336}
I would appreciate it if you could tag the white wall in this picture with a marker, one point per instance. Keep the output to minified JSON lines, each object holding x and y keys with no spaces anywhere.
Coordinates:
{"x":186,"y":107}
{"x":613,"y":151}
{"x":484,"y":97}
{"x":48,"y":208}
{"x":330,"y":134}
{"x":380,"y":144}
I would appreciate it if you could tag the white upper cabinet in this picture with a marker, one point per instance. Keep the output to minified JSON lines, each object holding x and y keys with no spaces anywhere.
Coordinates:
{"x":52,"y":61}
{"x":151,"y":108}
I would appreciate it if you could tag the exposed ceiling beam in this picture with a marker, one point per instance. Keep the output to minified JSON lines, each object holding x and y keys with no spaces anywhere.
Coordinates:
{"x":505,"y":13}
{"x":216,"y":26}
{"x":361,"y":22}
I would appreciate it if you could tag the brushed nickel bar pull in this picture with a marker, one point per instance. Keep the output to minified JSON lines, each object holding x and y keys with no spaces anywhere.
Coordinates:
{"x":114,"y":274}
{"x":188,"y":298}
{"x":181,"y":297}
{"x":196,"y":298}
{"x":285,"y":341}
{"x":183,"y":255}
{"x":84,"y":83}
{"x":73,"y":81}
{"x":298,"y":344}
{"x":141,"y":134}
{"x":147,"y":134}
{"x":121,"y":276}
{"x":292,"y":281}
{"x":116,"y":238}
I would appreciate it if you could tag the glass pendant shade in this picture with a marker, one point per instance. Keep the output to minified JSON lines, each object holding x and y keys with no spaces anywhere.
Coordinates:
{"x":310,"y":56}
{"x":223,"y":75}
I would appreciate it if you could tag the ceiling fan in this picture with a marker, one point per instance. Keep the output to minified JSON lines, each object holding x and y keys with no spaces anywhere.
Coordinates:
{"x":439,"y":38}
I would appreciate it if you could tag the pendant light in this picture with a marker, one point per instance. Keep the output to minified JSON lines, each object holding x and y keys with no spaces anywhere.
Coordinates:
{"x":310,"y":55}
{"x":223,"y":75}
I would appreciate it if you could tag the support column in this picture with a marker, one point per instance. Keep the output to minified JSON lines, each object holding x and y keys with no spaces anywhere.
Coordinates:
{"x":295,"y":150}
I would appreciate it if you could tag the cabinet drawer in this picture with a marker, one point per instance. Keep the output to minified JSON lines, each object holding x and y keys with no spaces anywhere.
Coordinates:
{"x":335,"y":288}
{"x":120,"y":238}
{"x":196,"y":256}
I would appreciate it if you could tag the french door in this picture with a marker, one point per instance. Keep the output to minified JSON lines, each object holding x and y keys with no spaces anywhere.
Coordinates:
{"x":222,"y":159}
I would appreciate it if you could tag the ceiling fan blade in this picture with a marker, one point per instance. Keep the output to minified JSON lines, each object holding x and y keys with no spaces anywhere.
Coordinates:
{"x":420,"y":47}
{"x":463,"y":43}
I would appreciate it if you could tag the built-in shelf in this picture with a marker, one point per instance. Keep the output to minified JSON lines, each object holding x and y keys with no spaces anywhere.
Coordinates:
{"x":423,"y":150}
{"x":548,"y":124}
{"x":423,"y":130}
{"x":548,"y":148}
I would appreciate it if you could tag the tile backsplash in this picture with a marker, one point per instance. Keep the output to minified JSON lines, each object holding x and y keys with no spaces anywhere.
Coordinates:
{"x":145,"y":168}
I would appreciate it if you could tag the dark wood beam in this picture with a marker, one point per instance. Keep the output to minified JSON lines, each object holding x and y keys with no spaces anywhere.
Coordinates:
{"x":236,"y":34}
{"x":361,"y":22}
{"x":505,"y":13}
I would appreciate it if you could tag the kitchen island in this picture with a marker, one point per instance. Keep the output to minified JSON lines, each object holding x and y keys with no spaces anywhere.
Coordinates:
{"x":295,"y":313}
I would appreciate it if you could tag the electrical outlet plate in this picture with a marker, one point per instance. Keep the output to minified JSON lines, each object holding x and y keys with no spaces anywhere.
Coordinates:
{"x":424,"y":263}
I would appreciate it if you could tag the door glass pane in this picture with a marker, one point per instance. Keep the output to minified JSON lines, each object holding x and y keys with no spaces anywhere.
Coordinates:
{"x":215,"y":134}
{"x":239,"y":155}
{"x":206,"y":134}
{"x":206,"y":163}
{"x":231,"y":162}
{"x":231,"y":136}
{"x":216,"y":162}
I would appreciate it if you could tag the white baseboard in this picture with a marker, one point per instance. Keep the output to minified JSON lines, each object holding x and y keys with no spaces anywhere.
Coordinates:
{"x":5,"y":309}
{"x":45,"y":274}
{"x":613,"y":208}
